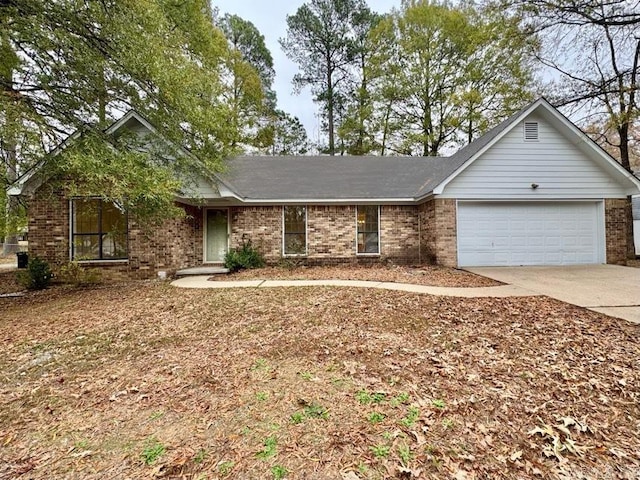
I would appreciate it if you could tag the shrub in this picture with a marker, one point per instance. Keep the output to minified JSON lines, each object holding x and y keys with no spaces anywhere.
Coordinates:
{"x":246,"y":256}
{"x":37,"y":275}
{"x":77,"y":275}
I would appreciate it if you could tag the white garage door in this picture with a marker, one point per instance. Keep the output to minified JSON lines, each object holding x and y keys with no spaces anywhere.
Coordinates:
{"x":529,"y":233}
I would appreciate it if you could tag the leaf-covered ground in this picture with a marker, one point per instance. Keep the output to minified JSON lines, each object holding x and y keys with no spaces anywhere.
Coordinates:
{"x":420,"y":275}
{"x":151,"y":381}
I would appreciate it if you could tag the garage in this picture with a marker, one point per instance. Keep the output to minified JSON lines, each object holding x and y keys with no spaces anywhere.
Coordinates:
{"x":530,"y":233}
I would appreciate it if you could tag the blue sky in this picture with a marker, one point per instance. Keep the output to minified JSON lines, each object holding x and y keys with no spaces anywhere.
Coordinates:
{"x":269,"y":16}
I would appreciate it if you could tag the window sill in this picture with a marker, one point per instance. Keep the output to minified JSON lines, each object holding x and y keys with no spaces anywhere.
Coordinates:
{"x":103,"y":262}
{"x":295,"y":255}
{"x":367,"y":254}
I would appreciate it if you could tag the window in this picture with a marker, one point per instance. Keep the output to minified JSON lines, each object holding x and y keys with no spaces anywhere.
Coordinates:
{"x":98,"y":230}
{"x":295,"y":230}
{"x":368,"y":236}
{"x":531,"y":131}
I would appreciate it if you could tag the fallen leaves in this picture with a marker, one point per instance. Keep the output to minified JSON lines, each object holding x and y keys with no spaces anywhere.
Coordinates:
{"x":464,"y":388}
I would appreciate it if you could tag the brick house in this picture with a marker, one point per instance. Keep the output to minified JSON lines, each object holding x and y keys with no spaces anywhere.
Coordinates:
{"x":534,"y":190}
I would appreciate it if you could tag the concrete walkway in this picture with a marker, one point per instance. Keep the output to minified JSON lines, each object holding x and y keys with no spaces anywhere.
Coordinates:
{"x":468,"y":292}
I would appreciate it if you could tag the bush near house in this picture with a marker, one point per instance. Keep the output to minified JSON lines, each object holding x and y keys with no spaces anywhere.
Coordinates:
{"x":246,"y":256}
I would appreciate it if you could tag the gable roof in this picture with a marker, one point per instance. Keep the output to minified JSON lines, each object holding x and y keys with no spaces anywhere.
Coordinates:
{"x":469,"y":154}
{"x":30,"y":180}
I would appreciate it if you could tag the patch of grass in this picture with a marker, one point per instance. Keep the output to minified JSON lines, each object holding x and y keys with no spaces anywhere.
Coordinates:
{"x":226,"y":467}
{"x":297,"y":418}
{"x":260,"y":364}
{"x":313,"y":411}
{"x":200,"y":456}
{"x":262,"y":396}
{"x":448,"y":423}
{"x":270,"y":448}
{"x":380,"y":451}
{"x":306,"y":375}
{"x":399,"y":399}
{"x":376,"y":417}
{"x":365,"y":398}
{"x":279,"y":472}
{"x":156,"y":415}
{"x":152,"y":451}
{"x":316,"y":411}
{"x":439,"y":403}
{"x":405,"y":455}
{"x":409,"y":420}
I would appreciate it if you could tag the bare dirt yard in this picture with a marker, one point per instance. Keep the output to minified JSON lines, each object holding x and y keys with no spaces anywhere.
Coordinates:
{"x":150,"y":381}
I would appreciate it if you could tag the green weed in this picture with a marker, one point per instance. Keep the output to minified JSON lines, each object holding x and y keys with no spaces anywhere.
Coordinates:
{"x":376,"y":417}
{"x":410,"y":418}
{"x":226,"y":467}
{"x":200,"y":456}
{"x":380,"y":451}
{"x":270,"y":448}
{"x":439,"y":403}
{"x":279,"y":472}
{"x":153,"y":450}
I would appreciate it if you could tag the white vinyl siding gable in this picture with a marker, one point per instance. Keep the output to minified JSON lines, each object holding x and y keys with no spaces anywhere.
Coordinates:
{"x":509,"y":168}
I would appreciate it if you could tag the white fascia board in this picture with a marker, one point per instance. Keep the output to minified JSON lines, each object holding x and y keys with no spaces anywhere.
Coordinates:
{"x":440,"y":187}
{"x":330,"y":201}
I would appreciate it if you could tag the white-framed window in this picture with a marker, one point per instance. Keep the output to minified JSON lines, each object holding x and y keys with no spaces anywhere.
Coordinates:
{"x":531,"y":131}
{"x":98,"y":230}
{"x":294,"y":229}
{"x":368,"y":230}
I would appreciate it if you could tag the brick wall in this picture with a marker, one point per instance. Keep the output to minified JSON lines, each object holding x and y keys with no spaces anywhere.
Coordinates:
{"x":331,"y":231}
{"x":261,"y":225}
{"x":438,"y":232}
{"x":175,"y":244}
{"x":615,"y":215}
{"x":399,"y":233}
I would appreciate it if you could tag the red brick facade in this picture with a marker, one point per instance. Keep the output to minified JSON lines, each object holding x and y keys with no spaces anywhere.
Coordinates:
{"x":425,"y":233}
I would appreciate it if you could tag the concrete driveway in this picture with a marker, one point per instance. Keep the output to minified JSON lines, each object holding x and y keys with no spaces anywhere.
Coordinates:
{"x":608,"y":289}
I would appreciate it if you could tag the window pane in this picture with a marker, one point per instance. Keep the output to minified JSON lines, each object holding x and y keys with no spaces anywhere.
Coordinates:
{"x":99,"y":230}
{"x":113,"y":219}
{"x":85,"y":219}
{"x":86,"y":247}
{"x":295,"y":230}
{"x":294,"y":244}
{"x":368,"y":236}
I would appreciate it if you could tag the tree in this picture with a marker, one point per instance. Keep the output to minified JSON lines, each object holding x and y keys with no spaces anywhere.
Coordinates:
{"x":319,"y":41}
{"x":75,"y":65}
{"x":289,"y":135}
{"x":355,"y":128}
{"x":593,"y":48}
{"x":250,"y":104}
{"x":446,"y":74}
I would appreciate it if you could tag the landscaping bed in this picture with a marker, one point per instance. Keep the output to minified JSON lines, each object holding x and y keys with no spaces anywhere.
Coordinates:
{"x":420,"y":275}
{"x":151,"y":381}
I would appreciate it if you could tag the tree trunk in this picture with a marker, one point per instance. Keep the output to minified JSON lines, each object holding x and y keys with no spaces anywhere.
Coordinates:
{"x":330,"y":113}
{"x":11,"y":235}
{"x":623,"y":133}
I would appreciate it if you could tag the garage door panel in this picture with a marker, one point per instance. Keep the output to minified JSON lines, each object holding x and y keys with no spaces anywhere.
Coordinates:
{"x":528,"y":233}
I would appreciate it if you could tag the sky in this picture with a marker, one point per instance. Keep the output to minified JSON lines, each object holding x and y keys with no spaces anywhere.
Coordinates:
{"x":269,"y":16}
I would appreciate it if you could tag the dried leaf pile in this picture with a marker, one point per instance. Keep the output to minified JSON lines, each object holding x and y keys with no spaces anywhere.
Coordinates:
{"x":151,"y":381}
{"x":421,"y":275}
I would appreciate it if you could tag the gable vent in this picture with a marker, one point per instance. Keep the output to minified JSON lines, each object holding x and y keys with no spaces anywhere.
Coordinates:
{"x":531,"y":131}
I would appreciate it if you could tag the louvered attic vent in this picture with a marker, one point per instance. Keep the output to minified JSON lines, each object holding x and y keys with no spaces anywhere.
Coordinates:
{"x":531,"y":131}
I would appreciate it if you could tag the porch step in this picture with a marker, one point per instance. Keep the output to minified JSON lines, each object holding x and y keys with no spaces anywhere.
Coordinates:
{"x":216,"y":270}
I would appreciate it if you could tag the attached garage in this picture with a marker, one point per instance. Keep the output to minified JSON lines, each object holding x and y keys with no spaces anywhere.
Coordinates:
{"x":530,"y":233}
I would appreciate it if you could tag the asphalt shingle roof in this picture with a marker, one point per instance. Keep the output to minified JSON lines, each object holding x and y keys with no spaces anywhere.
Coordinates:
{"x":338,"y":177}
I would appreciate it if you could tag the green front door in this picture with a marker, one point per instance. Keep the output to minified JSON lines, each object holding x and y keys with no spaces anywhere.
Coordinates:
{"x":217,"y":236}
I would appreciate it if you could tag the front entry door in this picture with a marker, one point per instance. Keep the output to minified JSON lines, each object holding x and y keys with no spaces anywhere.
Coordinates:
{"x":217,"y":242}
